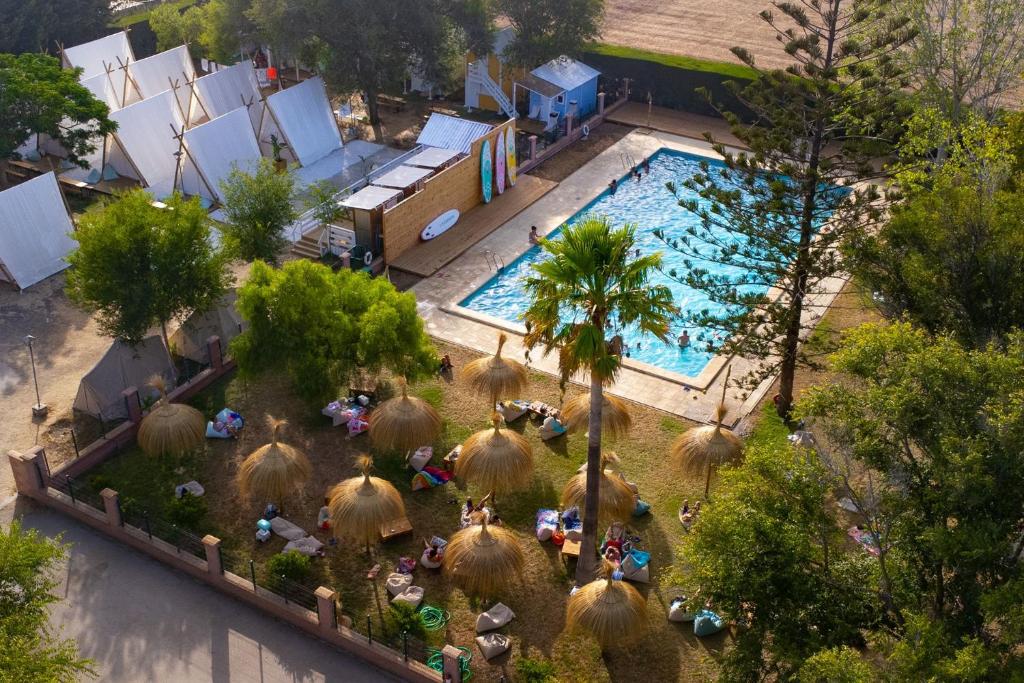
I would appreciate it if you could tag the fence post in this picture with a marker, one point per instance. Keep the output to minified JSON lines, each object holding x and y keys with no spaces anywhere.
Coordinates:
{"x":325,"y":608}
{"x":451,"y":666}
{"x":214,"y":562}
{"x":213,"y":345}
{"x":28,"y":478}
{"x":600,"y":103}
{"x":533,"y":146}
{"x":131,"y":400}
{"x":568,"y":125}
{"x":112,"y":506}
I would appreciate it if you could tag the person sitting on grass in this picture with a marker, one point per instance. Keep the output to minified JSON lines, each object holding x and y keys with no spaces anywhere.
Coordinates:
{"x":323,"y":518}
{"x":446,"y":364}
{"x":433,"y":555}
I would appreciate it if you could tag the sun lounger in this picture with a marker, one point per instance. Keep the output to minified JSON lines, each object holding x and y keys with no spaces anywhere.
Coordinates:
{"x":286,"y":530}
{"x":494,"y":618}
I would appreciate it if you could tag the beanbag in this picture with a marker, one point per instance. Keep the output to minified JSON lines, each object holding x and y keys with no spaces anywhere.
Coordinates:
{"x":707,"y":623}
{"x":678,"y":612}
{"x":397,"y":583}
{"x":307,"y":546}
{"x":493,"y":644}
{"x":412,"y":595}
{"x":496,"y":617}
{"x":285,"y":529}
{"x":547,"y":523}
{"x":421,"y":457}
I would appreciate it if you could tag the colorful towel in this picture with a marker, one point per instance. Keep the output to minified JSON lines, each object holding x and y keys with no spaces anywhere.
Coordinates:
{"x":865,"y":539}
{"x":547,"y":523}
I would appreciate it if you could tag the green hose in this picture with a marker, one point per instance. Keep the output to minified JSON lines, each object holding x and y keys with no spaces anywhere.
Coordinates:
{"x":434,"y":619}
{"x":435,"y":661}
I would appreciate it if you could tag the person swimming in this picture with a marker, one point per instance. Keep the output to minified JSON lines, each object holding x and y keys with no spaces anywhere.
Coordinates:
{"x":613,"y":186}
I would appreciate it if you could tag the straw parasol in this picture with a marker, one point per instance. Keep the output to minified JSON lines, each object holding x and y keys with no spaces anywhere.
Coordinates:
{"x":274,"y":470}
{"x":404,"y":422}
{"x":496,"y":377}
{"x":615,"y":498}
{"x":615,"y":419}
{"x":497,"y":460}
{"x":170,"y":427}
{"x":700,"y":449}
{"x":360,"y":505}
{"x":613,"y":611}
{"x":483,"y":560}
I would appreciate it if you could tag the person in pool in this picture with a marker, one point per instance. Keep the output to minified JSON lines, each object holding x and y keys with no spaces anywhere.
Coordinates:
{"x":684,"y":340}
{"x":613,"y":186}
{"x":646,"y":164}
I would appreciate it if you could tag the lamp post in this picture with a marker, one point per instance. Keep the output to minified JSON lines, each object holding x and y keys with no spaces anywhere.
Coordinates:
{"x":40,"y":409}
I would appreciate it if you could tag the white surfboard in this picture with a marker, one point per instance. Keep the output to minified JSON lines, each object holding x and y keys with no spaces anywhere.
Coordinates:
{"x":440,"y":224}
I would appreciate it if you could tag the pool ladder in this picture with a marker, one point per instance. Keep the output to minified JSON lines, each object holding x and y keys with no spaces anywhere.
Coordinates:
{"x":627,"y":161}
{"x":494,"y":261}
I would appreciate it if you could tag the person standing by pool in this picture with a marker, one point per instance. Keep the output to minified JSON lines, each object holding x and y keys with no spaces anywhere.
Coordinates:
{"x":534,"y":235}
{"x":684,"y":340}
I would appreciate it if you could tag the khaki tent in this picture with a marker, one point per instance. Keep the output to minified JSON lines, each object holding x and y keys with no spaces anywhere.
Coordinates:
{"x":223,"y":320}
{"x":99,"y":393}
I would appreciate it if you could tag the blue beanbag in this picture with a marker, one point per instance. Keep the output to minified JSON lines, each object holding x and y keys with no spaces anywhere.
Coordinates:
{"x":707,"y":623}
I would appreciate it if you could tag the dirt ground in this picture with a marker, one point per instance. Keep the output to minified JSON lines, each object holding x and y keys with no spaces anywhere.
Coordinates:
{"x":693,"y":28}
{"x":570,"y":159}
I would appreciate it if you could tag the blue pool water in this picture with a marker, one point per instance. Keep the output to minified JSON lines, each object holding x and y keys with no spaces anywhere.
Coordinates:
{"x":650,"y":206}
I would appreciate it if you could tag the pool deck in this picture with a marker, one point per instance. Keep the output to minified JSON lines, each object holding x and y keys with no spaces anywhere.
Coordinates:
{"x":693,"y":398}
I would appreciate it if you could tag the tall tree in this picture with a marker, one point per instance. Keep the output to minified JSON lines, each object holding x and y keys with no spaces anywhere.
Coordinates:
{"x":324,"y":328}
{"x":43,"y":25}
{"x":174,"y":27}
{"x":137,"y":266}
{"x":818,"y":126}
{"x":590,"y":279}
{"x":545,"y":30}
{"x":38,"y":97}
{"x":259,"y":206}
{"x":32,"y":651}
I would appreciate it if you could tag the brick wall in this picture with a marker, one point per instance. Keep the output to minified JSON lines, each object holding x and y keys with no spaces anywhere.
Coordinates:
{"x":456,"y":187}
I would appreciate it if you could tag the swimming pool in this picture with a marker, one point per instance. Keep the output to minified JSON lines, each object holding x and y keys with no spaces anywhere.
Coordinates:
{"x":650,"y":206}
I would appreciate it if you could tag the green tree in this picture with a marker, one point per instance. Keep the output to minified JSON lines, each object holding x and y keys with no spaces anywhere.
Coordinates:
{"x":31,"y":650}
{"x":259,"y":206}
{"x":936,"y":430}
{"x":174,"y":27}
{"x":37,"y":96}
{"x":836,"y":665}
{"x":769,"y":551}
{"x":590,"y":279}
{"x":545,"y":30}
{"x":324,"y":328}
{"x":820,"y":124}
{"x":225,"y":28}
{"x":137,"y":266}
{"x":44,"y":25}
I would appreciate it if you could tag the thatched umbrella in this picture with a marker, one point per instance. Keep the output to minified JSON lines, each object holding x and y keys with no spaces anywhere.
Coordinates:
{"x":275,"y":470}
{"x":613,"y":611}
{"x":360,"y":505}
{"x":404,"y":422}
{"x":483,"y":560}
{"x":701,"y":449}
{"x":615,"y":419}
{"x":496,"y":377}
{"x":498,"y":460}
{"x":170,"y":427}
{"x":614,"y":500}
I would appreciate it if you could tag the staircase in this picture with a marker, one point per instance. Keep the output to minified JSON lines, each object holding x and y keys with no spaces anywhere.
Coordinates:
{"x":478,"y":74}
{"x":308,"y":246}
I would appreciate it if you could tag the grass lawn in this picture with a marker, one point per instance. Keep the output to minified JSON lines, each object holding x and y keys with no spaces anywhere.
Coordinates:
{"x":674,"y":61}
{"x":668,"y":652}
{"x":142,"y":13}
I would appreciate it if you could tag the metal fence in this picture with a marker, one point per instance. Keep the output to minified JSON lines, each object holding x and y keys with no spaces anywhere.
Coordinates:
{"x":291,"y":591}
{"x":79,"y":493}
{"x":374,"y":630}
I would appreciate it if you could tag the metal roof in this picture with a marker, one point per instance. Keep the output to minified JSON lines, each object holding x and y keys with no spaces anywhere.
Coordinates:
{"x":449,"y":132}
{"x":402,"y":177}
{"x":433,"y":157}
{"x":540,"y":86}
{"x":566,"y":73}
{"x":370,"y":197}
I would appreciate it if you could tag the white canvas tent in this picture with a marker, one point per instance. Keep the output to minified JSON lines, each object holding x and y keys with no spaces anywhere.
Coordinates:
{"x":104,"y":90}
{"x":94,"y":57}
{"x":34,"y":231}
{"x":215,"y":149}
{"x":145,"y":146}
{"x":303,"y":114}
{"x":228,"y":89}
{"x":223,"y":320}
{"x":99,"y":392}
{"x":171,"y":69}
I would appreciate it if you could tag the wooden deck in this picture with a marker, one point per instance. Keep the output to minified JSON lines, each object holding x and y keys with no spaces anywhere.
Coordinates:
{"x":427,"y":258}
{"x":674,"y":122}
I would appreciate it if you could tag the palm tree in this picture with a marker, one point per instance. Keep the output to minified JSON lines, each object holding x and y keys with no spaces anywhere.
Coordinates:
{"x":590,"y":279}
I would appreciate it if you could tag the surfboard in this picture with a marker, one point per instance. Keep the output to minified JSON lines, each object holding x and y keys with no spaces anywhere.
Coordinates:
{"x":485,"y":170}
{"x":499,"y":163}
{"x":440,"y":224}
{"x":510,"y":157}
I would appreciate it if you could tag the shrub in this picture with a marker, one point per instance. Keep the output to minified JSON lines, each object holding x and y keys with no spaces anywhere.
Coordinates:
{"x":292,"y":565}
{"x":535,"y":670}
{"x":403,"y":618}
{"x":187,"y":512}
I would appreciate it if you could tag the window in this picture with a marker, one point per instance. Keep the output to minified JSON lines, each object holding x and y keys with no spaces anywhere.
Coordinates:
{"x":560,"y":99}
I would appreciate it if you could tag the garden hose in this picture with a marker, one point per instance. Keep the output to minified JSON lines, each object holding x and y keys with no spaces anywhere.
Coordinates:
{"x":434,"y":619}
{"x":435,"y":661}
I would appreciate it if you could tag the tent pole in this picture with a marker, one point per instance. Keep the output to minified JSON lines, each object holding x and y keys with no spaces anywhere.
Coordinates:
{"x":195,"y":96}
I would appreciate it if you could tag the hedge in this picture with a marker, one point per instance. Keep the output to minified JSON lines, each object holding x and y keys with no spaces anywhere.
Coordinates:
{"x":671,"y":80}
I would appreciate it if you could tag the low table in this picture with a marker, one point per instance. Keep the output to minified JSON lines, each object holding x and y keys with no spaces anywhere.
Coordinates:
{"x":571,"y":549}
{"x":395,"y":528}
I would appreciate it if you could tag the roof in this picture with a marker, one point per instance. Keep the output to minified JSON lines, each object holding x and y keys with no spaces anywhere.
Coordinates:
{"x":433,"y":157}
{"x":370,"y":197}
{"x":91,"y":56}
{"x":449,"y":132}
{"x":221,"y":145}
{"x":228,"y":89}
{"x":158,"y":73}
{"x":146,"y":131}
{"x":34,"y":230}
{"x":307,"y":120}
{"x":540,"y":86}
{"x":403,"y":176}
{"x":566,"y":73}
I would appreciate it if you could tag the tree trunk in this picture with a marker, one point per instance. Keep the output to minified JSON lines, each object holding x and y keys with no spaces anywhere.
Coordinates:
{"x":373,"y":111}
{"x":4,"y":164}
{"x":585,"y":566}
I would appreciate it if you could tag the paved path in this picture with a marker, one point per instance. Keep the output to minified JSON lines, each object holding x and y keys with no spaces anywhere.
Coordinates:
{"x":140,"y":621}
